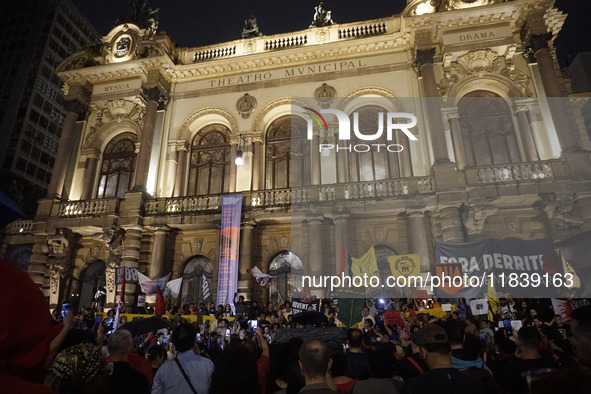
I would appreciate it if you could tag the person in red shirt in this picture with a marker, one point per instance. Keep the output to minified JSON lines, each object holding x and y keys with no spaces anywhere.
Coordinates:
{"x":30,"y":341}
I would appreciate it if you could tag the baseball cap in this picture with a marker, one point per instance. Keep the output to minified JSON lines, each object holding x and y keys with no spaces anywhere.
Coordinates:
{"x":432,"y":334}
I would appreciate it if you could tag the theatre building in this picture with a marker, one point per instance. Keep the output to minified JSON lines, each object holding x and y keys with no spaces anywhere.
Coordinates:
{"x":152,"y":131}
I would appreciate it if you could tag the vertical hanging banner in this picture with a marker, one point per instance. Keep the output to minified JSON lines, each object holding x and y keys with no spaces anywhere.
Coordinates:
{"x":229,"y":243}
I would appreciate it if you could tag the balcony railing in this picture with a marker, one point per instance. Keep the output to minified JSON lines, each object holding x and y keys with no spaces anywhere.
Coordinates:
{"x":308,"y":37}
{"x":517,"y":172}
{"x":20,"y":227}
{"x":88,"y":207}
{"x":280,"y":197}
{"x":184,"y":204}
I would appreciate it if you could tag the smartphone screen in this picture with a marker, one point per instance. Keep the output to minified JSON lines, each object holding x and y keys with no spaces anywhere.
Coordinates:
{"x":198,"y":336}
{"x":254,"y":325}
{"x":227,"y":332}
{"x":507,"y":326}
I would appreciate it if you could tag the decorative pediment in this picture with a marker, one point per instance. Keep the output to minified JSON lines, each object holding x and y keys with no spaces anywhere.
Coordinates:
{"x":480,"y":63}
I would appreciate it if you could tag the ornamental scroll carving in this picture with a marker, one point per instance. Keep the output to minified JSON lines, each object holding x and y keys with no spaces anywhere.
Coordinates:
{"x":115,"y":110}
{"x":481,"y":62}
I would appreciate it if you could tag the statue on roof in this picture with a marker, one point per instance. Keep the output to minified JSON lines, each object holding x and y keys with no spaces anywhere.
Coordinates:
{"x":141,"y":15}
{"x":321,"y":17}
{"x":251,"y":28}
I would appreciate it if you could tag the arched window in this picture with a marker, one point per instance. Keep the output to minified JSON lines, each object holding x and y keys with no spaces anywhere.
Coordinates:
{"x":287,"y":158}
{"x":197,"y":276}
{"x":487,"y":131}
{"x":117,"y":167}
{"x":287,"y":268}
{"x":209,"y":171}
{"x":373,"y":165}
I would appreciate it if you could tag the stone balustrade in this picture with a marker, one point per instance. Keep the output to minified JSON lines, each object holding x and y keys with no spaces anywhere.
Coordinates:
{"x":88,"y":207}
{"x":20,"y":227}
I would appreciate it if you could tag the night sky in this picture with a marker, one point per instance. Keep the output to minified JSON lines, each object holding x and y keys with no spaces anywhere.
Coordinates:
{"x":194,"y":23}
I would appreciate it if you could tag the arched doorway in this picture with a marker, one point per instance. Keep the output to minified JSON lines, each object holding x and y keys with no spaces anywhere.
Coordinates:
{"x":94,"y":281}
{"x":287,"y":268}
{"x":197,"y":277}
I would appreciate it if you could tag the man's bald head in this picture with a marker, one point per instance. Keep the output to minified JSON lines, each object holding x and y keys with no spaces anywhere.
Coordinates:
{"x":314,"y":358}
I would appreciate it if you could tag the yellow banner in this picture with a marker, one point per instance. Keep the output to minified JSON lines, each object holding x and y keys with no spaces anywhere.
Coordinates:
{"x":405,"y":265}
{"x":366,"y":264}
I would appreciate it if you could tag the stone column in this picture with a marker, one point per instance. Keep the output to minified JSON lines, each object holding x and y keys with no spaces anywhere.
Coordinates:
{"x":404,"y":157}
{"x":75,"y":110}
{"x":424,"y":64}
{"x":529,"y":145}
{"x":232,"y":183}
{"x":418,"y":237}
{"x":153,"y":99}
{"x":130,"y":258}
{"x":536,"y":41}
{"x":314,"y":246}
{"x":158,"y":263}
{"x":257,"y":167}
{"x":456,"y":138}
{"x":340,"y":238}
{"x":179,"y":181}
{"x":92,"y":156}
{"x":451,"y":224}
{"x":245,"y":284}
{"x":315,"y":160}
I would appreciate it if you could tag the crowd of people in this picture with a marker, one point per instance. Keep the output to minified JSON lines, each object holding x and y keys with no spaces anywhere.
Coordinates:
{"x":427,"y":350}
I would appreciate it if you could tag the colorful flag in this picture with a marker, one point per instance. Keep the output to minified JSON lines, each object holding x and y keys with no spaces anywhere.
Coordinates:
{"x":493,"y":300}
{"x":159,"y":308}
{"x":173,"y":288}
{"x":149,"y":286}
{"x":263,"y":279}
{"x":116,"y":322}
{"x":345,"y":261}
{"x":405,"y":265}
{"x":205,"y":288}
{"x":227,"y":284}
{"x":366,"y":264}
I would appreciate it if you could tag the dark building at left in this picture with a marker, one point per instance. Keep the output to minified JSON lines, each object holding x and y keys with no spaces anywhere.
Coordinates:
{"x":35,"y":36}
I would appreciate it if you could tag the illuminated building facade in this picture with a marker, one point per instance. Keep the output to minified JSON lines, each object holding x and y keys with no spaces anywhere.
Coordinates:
{"x":151,"y":147}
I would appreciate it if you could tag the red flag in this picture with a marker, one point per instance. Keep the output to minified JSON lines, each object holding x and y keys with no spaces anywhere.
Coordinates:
{"x":121,"y":300}
{"x":159,"y":308}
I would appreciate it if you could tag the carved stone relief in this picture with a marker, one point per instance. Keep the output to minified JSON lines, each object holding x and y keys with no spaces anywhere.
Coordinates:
{"x":475,"y":217}
{"x":115,"y":110}
{"x":479,"y":63}
{"x":246,"y":105}
{"x":325,"y":95}
{"x":560,"y":209}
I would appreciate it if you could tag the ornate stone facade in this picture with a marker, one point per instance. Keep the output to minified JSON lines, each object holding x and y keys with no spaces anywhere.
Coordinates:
{"x":172,"y":163}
